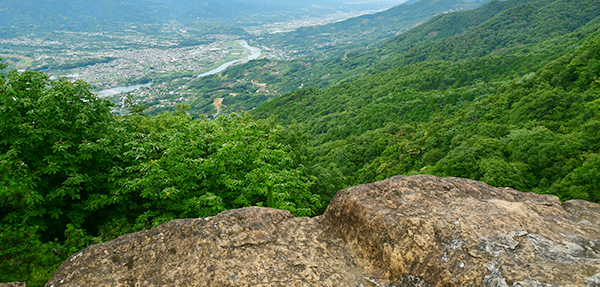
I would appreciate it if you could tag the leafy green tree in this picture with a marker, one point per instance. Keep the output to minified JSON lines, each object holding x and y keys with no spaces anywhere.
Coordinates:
{"x":178,"y":167}
{"x":499,"y":172}
{"x":583,"y":182}
{"x":54,"y":152}
{"x":464,"y":161}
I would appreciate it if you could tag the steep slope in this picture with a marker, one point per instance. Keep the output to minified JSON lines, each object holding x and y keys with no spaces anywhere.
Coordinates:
{"x":448,"y":25}
{"x":492,"y":28}
{"x":489,"y":29}
{"x":520,"y":25}
{"x":487,"y":118}
{"x":235,"y":85}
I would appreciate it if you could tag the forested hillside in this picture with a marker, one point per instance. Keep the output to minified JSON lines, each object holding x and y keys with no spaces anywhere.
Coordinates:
{"x":498,"y":27}
{"x":524,"y":117}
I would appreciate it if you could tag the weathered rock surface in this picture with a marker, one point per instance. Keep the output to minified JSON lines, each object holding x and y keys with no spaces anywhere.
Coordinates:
{"x":450,"y":231}
{"x":403,"y":231}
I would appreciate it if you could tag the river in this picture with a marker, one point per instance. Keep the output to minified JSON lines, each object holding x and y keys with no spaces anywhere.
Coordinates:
{"x":254,"y":54}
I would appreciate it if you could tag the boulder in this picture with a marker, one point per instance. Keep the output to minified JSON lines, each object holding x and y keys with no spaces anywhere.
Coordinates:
{"x":404,"y":231}
{"x":459,"y":232}
{"x":249,"y":246}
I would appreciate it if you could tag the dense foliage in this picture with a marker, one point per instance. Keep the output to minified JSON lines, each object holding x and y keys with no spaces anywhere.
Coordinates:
{"x":72,"y":174}
{"x":535,"y":132}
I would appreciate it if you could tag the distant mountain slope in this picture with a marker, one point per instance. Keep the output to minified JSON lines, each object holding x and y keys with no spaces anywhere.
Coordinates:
{"x":75,"y":14}
{"x":110,"y":14}
{"x":520,"y":25}
{"x":527,"y":118}
{"x":367,"y":28}
{"x":448,"y":25}
{"x":494,"y":27}
{"x":489,"y":30}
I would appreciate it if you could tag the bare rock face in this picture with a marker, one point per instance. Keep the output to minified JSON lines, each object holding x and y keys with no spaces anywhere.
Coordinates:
{"x":403,"y":231}
{"x":458,"y":232}
{"x":243,"y":247}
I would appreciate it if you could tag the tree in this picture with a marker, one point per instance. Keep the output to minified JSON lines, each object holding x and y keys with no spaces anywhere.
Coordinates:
{"x":583,"y":182}
{"x":55,"y":150}
{"x":177,"y":167}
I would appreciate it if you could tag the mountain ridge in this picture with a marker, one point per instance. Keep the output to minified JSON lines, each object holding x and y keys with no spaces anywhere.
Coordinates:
{"x":372,"y":27}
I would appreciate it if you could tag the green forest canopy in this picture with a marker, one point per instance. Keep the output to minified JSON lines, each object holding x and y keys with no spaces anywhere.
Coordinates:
{"x":537,"y":132}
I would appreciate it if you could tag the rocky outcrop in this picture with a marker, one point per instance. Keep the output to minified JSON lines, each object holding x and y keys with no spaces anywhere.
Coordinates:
{"x":403,"y":231}
{"x":250,"y":246}
{"x":450,"y":231}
